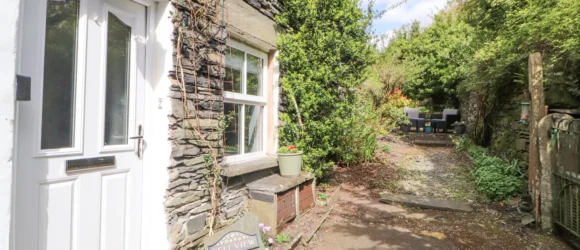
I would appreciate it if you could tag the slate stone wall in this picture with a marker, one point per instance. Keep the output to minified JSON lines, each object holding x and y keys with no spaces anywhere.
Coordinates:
{"x":269,"y":8}
{"x":188,"y":203}
{"x":501,"y":131}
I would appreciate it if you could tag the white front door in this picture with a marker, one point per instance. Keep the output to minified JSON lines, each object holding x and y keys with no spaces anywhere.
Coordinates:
{"x":79,"y":170}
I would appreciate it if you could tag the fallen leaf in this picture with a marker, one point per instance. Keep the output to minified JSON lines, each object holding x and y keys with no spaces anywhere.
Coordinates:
{"x":436,"y":235}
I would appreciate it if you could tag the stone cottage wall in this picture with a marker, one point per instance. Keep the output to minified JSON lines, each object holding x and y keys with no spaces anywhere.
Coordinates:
{"x":188,"y":203}
{"x":269,"y":8}
{"x":200,"y":27}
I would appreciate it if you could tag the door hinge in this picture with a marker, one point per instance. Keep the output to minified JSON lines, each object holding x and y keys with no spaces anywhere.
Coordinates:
{"x":23,"y":88}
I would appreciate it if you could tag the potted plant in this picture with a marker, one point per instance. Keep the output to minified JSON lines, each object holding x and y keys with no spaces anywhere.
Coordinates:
{"x":428,"y":128}
{"x":459,"y":127}
{"x":289,"y":161}
{"x":405,"y":126}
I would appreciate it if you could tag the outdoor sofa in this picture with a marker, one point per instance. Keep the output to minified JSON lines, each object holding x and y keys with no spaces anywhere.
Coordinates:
{"x":446,"y":119}
{"x":417,"y":119}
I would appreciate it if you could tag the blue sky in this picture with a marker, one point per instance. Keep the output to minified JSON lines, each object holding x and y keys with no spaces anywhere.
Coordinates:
{"x":420,"y":10}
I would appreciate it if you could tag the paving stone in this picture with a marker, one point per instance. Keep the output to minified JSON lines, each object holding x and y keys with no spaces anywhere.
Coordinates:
{"x":422,"y":202}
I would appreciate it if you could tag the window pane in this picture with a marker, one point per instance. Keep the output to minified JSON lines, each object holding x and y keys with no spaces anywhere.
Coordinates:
{"x":59,"y":74}
{"x":117,"y":90}
{"x":253,"y":127}
{"x":232,"y":132}
{"x":234,"y":65}
{"x":254,"y":75}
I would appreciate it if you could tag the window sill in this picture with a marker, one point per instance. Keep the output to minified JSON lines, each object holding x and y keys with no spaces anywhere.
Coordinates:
{"x":250,"y":166}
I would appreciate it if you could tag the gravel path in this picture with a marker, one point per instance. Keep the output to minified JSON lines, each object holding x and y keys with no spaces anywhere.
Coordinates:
{"x":359,"y":221}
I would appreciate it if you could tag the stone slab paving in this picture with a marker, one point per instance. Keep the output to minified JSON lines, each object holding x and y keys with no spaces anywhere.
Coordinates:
{"x":422,"y":202}
{"x":341,"y":231}
{"x":377,"y":236}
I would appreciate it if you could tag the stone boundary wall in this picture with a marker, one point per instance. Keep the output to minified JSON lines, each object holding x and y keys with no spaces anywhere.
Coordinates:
{"x":501,"y":131}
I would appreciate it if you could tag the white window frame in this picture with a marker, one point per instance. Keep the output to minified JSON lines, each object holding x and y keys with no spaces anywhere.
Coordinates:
{"x":130,"y":20}
{"x":79,"y":91}
{"x":240,"y":98}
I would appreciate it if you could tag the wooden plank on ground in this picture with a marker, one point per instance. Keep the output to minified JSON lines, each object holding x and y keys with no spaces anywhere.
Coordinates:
{"x":295,"y":242}
{"x":422,"y":202}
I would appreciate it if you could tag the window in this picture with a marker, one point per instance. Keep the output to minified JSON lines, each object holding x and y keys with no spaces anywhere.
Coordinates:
{"x":60,"y":53}
{"x":117,"y":82}
{"x":245,"y":101}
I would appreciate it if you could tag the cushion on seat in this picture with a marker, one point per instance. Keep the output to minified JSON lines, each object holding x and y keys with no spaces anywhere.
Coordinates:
{"x":450,"y":112}
{"x":411,"y":112}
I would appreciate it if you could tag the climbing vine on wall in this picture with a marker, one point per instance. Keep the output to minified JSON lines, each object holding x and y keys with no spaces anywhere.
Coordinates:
{"x":199,"y":44}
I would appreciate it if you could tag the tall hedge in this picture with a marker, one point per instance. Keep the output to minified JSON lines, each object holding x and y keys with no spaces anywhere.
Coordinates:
{"x":324,"y":52}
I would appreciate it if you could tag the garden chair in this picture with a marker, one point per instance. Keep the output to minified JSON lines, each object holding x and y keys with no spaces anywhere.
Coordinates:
{"x":415,"y":117}
{"x":445,"y":119}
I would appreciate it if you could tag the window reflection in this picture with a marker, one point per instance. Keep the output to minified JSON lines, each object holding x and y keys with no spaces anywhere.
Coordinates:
{"x":117,"y":90}
{"x":253,"y":128}
{"x":59,"y":80}
{"x":232,"y":132}
{"x":234,"y":65}
{"x":254,"y":75}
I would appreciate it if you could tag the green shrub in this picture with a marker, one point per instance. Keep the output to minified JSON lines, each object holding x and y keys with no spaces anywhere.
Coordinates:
{"x":392,"y":110}
{"x":497,"y":179}
{"x":494,"y":177}
{"x":461,"y":143}
{"x":360,"y":137}
{"x":324,"y":54}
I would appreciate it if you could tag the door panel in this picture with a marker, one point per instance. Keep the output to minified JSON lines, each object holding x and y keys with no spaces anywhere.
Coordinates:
{"x":87,"y":64}
{"x":56,"y":222}
{"x":113,"y":210}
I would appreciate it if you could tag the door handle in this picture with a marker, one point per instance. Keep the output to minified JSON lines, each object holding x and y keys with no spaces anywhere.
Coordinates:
{"x":139,"y":138}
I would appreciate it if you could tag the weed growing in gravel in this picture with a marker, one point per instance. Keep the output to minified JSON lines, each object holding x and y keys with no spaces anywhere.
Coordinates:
{"x":282,"y":238}
{"x":386,"y":148}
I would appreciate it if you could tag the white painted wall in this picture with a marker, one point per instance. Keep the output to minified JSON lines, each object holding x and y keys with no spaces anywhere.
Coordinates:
{"x":8,"y":47}
{"x":158,"y":148}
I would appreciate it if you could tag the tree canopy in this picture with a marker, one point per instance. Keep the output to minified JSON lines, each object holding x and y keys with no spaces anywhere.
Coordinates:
{"x":483,"y":45}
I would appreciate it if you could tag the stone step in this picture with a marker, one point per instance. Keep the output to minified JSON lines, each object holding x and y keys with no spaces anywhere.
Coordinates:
{"x":434,"y":143}
{"x":276,"y":183}
{"x":422,"y":202}
{"x":278,"y":200}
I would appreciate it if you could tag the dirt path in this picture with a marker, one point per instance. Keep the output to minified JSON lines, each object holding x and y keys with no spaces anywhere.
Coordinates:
{"x":359,"y":221}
